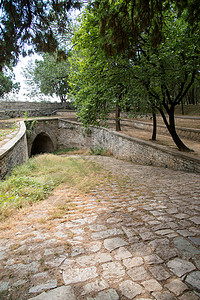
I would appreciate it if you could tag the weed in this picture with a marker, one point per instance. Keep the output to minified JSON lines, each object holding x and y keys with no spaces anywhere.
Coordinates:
{"x":14,"y":247}
{"x":42,"y":221}
{"x":68,"y":245}
{"x":2,"y":294}
{"x":98,"y":151}
{"x":29,"y":126}
{"x":41,"y":261}
{"x":45,"y":267}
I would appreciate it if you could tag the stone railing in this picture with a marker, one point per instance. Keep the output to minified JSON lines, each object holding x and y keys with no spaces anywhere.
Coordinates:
{"x":14,"y":152}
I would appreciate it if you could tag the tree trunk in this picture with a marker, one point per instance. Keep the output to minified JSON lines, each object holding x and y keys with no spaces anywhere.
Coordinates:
{"x":117,"y":118}
{"x":154,"y":126}
{"x":192,"y":96}
{"x":172,"y":130}
{"x":182,"y":107}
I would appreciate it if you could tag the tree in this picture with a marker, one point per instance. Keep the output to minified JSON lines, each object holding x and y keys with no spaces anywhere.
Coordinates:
{"x":31,"y":25}
{"x":168,"y":71}
{"x":152,"y":35}
{"x":99,"y":84}
{"x":51,"y":76}
{"x":122,"y":22}
{"x":31,"y":22}
{"x":6,"y":82}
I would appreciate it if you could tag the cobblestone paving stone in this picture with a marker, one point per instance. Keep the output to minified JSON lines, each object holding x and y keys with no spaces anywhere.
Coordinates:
{"x":138,"y":237}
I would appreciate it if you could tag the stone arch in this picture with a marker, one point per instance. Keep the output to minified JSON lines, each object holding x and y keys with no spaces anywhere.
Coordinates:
{"x":42,"y":144}
{"x":42,"y":139}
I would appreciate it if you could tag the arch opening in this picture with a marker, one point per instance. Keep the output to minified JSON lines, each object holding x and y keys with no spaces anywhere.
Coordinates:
{"x":42,"y":144}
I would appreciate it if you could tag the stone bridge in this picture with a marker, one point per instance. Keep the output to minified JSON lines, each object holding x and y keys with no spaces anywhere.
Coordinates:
{"x":50,"y":134}
{"x":44,"y":136}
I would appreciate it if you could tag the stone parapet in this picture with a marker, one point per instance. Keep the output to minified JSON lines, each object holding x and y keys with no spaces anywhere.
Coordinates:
{"x":14,"y":152}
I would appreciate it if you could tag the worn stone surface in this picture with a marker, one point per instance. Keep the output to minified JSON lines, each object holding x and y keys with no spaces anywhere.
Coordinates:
{"x":185,"y":247}
{"x":152,"y":259}
{"x":3,"y":286}
{"x":93,"y":259}
{"x":133,"y":262}
{"x":180,"y":267}
{"x":95,"y":286}
{"x":193,"y":279}
{"x":140,"y":241}
{"x":159,"y":272}
{"x":122,"y":253}
{"x":113,"y":270}
{"x":152,"y":285}
{"x":113,"y":243}
{"x":106,"y":233}
{"x":41,"y":287}
{"x":189,"y":296}
{"x":163,"y":296}
{"x":130,"y":289}
{"x":195,"y":240}
{"x":110,"y":294}
{"x":78,"y":275}
{"x":60,"y":293}
{"x":138,"y":273}
{"x":176,"y":286}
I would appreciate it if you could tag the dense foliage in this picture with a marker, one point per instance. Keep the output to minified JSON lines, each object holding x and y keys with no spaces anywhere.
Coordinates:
{"x":98,"y":83}
{"x":7,"y":82}
{"x":51,"y":76}
{"x":154,"y":62}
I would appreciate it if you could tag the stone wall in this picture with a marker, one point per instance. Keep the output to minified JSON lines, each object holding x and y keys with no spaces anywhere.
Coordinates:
{"x":32,"y":109}
{"x":14,"y":152}
{"x":72,"y":134}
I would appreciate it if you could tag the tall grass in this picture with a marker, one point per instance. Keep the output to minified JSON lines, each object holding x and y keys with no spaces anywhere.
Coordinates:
{"x":35,"y":180}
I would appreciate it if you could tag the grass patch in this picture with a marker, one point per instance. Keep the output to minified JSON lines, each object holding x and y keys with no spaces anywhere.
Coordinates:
{"x":6,"y":128}
{"x":71,"y":151}
{"x":66,"y":151}
{"x":99,"y":151}
{"x":35,"y":180}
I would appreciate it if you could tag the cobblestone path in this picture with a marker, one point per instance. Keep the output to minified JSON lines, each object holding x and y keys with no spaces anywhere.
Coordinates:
{"x":138,"y":237}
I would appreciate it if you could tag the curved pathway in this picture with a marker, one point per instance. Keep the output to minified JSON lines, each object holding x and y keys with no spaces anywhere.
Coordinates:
{"x":138,"y":237}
